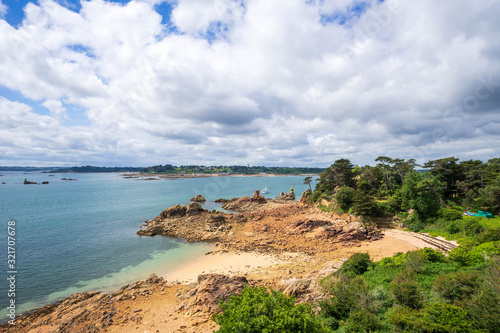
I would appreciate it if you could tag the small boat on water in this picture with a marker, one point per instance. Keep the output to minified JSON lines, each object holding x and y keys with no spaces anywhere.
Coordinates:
{"x":265,"y":191}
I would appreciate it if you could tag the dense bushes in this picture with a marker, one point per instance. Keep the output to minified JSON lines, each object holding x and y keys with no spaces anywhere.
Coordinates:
{"x":256,"y":310}
{"x":357,"y":264}
{"x":436,"y":317}
{"x":467,"y":255}
{"x":406,"y":292}
{"x":418,"y":291}
{"x":456,"y":286}
{"x":362,"y":321}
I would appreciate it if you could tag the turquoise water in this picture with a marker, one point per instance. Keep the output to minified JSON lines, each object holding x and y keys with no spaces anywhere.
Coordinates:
{"x":74,"y":236}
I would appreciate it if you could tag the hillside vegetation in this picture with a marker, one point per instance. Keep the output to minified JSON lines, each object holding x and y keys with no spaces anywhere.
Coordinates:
{"x":419,"y":291}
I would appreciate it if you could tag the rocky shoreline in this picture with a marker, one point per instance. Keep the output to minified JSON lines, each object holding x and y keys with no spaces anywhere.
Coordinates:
{"x":310,"y":244}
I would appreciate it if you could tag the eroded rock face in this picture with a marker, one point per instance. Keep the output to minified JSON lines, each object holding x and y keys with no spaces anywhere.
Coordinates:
{"x":191,"y":222}
{"x":245,"y":204}
{"x":211,"y":288}
{"x":295,"y":287}
{"x":87,"y":312}
{"x":305,"y":196}
{"x":198,"y":198}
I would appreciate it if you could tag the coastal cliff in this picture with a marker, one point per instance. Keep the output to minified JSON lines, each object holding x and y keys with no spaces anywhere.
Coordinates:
{"x":263,"y":225}
{"x":191,"y":222}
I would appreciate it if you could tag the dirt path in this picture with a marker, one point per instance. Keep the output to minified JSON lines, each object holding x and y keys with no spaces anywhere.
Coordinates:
{"x":419,"y":241}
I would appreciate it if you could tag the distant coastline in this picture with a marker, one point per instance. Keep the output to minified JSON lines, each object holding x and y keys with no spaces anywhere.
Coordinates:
{"x":150,"y":176}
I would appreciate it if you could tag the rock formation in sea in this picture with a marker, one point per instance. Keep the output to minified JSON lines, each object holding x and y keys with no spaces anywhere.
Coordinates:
{"x":191,"y":222}
{"x":286,"y":196}
{"x":198,"y":198}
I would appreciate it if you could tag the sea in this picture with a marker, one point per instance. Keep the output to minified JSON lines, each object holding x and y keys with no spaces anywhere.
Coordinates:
{"x":80,"y":235}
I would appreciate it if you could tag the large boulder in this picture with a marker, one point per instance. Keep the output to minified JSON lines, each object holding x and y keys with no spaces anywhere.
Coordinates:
{"x":295,"y":287}
{"x":211,"y":288}
{"x":198,"y":198}
{"x":286,"y":196}
{"x":237,"y":204}
{"x":257,"y":197}
{"x":194,"y":208}
{"x":174,"y":211}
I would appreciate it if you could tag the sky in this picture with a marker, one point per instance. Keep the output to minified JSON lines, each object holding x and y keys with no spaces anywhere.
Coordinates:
{"x":237,"y":82}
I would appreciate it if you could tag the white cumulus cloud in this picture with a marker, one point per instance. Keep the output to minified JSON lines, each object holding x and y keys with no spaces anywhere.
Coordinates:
{"x":290,"y":82}
{"x":3,"y":9}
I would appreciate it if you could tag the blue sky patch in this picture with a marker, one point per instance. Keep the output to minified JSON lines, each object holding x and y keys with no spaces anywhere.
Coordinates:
{"x":16,"y":96}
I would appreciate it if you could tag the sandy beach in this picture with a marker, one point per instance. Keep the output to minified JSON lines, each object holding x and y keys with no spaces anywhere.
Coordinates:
{"x":240,"y":263}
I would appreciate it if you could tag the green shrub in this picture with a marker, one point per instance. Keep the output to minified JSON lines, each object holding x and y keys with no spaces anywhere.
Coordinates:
{"x":347,"y":297}
{"x":484,"y":307}
{"x":450,"y":214}
{"x":472,"y":226}
{"x":478,"y":254}
{"x":433,"y":255}
{"x":364,"y":204}
{"x":459,"y":255}
{"x":415,"y":224}
{"x":345,"y":197}
{"x":394,"y":203}
{"x":434,"y":318}
{"x":490,"y":235}
{"x":406,"y":291}
{"x":415,"y":261}
{"x":454,"y":227}
{"x":256,"y":310}
{"x":357,"y":264}
{"x":457,"y":285}
{"x":397,"y":260}
{"x":362,"y":321}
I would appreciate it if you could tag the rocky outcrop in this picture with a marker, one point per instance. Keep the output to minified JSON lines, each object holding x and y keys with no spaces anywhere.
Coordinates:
{"x":245,"y":204}
{"x":26,"y":182}
{"x":210,"y":289}
{"x":286,"y":196}
{"x":191,"y":222}
{"x":198,"y":198}
{"x":295,"y":287}
{"x":338,"y":231}
{"x":258,"y":198}
{"x":305,"y":196}
{"x":89,"y":311}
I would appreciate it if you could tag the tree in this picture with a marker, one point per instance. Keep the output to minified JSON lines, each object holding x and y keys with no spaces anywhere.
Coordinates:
{"x":336,"y":175}
{"x":345,"y":197}
{"x":420,"y":194}
{"x":373,"y":177}
{"x":447,"y":171}
{"x":384,"y":165}
{"x":491,"y":195}
{"x":491,"y":170}
{"x":308,"y":181}
{"x":364,"y":204}
{"x":403,"y":167}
